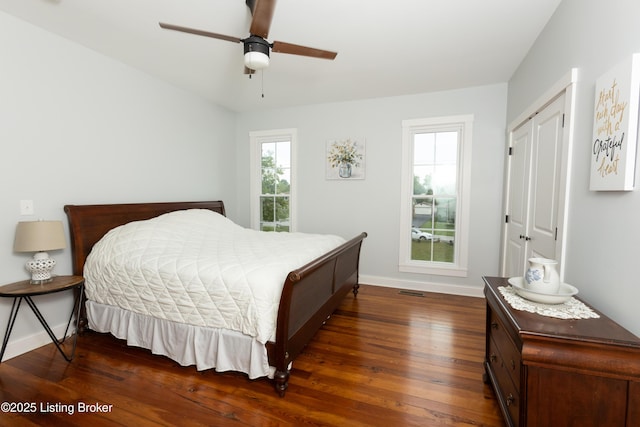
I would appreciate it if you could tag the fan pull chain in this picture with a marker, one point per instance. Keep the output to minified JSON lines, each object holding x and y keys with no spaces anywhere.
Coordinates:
{"x":261,"y":82}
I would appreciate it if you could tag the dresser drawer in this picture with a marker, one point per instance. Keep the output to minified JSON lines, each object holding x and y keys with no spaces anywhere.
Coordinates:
{"x":507,"y":391}
{"x":510,"y":354}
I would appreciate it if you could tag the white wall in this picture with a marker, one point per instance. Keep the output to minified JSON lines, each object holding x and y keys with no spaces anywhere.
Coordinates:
{"x":373,"y":204}
{"x":604,"y":229}
{"x":77,"y":127}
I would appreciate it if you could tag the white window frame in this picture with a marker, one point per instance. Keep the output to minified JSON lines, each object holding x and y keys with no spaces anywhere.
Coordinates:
{"x":462,"y":124}
{"x":256,"y":139}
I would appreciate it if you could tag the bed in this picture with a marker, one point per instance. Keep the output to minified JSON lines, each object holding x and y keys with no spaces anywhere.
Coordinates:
{"x":309,"y":295}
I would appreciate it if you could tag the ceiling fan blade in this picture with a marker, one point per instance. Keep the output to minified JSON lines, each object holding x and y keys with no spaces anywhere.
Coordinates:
{"x":199,"y":32}
{"x":295,"y":49}
{"x":262,"y":11}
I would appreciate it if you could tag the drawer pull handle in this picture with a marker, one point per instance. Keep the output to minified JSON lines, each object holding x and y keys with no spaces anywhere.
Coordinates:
{"x":493,"y":357}
{"x":510,"y":400}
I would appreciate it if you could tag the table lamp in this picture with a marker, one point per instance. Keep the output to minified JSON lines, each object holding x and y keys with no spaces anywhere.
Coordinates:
{"x":39,"y":237}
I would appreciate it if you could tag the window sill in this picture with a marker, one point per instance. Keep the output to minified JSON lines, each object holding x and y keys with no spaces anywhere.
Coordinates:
{"x":434,"y":268}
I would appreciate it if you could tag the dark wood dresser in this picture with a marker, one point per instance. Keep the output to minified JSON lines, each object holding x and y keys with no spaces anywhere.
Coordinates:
{"x":556,"y":372}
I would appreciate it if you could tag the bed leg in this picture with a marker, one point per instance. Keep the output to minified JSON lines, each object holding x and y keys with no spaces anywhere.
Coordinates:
{"x":355,"y":289}
{"x":281,"y":382}
{"x":83,"y":325}
{"x":83,"y":321}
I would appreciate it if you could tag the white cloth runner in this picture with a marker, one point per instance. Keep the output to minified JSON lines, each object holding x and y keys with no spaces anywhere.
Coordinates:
{"x":570,"y":309}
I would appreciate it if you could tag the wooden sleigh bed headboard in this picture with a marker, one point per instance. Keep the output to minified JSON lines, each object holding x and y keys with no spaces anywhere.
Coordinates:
{"x":88,"y":223}
{"x":310,"y":293}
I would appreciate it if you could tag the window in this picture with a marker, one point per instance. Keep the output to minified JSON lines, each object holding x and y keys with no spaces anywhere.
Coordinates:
{"x":436,"y":156}
{"x":273,"y":180}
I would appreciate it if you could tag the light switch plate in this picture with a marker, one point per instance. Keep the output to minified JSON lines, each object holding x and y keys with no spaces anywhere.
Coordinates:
{"x":26,"y":207}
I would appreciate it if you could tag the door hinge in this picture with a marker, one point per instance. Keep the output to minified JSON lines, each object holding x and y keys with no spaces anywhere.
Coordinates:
{"x":510,"y":150}
{"x":563,"y":120}
{"x":506,"y":219}
{"x":556,"y":238}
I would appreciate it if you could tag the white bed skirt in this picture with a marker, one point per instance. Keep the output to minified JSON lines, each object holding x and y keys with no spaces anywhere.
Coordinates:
{"x":206,"y":348}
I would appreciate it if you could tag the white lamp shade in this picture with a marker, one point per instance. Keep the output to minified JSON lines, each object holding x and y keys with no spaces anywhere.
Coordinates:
{"x":256,"y":60}
{"x":38,"y":236}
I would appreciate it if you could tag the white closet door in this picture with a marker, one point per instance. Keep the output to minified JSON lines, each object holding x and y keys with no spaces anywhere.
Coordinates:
{"x":533,"y":189}
{"x":518,"y":200}
{"x":545,"y":180}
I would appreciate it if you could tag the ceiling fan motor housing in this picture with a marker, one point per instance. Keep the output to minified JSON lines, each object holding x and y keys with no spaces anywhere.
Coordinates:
{"x":256,"y":52}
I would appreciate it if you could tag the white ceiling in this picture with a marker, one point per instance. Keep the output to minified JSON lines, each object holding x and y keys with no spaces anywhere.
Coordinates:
{"x":385,"y":48}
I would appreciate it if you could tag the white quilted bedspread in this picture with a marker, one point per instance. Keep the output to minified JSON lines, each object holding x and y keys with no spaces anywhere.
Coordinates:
{"x":200,"y":268}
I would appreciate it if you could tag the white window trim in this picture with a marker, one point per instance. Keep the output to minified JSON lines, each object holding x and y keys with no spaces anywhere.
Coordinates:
{"x":256,"y":139}
{"x":462,"y":123}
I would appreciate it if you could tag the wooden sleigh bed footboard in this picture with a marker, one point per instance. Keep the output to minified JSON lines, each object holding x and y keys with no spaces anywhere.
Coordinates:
{"x":310,"y":294}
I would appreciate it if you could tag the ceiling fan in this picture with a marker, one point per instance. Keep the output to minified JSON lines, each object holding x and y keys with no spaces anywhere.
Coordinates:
{"x":256,"y":47}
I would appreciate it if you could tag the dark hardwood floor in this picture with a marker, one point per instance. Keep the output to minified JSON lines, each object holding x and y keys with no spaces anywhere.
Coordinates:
{"x":385,"y":358}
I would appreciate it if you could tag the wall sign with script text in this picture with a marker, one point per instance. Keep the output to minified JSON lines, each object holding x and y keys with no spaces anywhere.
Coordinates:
{"x":615,"y":127}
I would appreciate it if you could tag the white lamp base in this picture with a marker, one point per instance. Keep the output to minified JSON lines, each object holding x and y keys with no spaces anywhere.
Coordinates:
{"x":40,"y":267}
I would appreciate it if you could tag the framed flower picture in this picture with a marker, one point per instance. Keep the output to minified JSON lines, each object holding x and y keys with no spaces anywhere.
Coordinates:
{"x":345,"y":158}
{"x":615,"y":127}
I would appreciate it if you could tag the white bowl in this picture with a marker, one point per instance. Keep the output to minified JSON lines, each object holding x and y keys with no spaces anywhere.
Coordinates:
{"x":565,"y":292}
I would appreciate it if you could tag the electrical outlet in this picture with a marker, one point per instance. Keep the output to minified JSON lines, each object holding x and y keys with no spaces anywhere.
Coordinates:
{"x":26,"y":207}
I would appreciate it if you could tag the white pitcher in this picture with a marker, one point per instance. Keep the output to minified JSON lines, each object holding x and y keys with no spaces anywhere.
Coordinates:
{"x":541,"y":276}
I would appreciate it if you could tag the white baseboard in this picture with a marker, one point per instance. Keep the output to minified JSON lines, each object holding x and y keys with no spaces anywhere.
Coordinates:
{"x":441,"y":288}
{"x":31,"y":342}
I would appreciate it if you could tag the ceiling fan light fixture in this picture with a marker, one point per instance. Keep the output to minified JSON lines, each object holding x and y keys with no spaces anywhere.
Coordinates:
{"x":256,"y":60}
{"x":256,"y":53}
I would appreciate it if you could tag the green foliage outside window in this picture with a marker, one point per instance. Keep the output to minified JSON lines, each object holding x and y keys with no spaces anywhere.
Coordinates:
{"x":274,"y":201}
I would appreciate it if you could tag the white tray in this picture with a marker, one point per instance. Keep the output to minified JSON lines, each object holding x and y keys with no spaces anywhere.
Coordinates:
{"x":564,"y":293}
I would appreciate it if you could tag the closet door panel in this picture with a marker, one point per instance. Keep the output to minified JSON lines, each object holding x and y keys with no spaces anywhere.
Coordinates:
{"x":518,"y":201}
{"x":545,"y":179}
